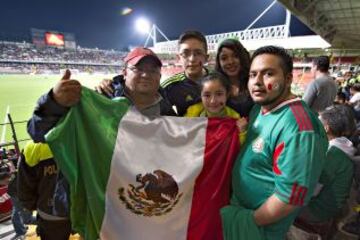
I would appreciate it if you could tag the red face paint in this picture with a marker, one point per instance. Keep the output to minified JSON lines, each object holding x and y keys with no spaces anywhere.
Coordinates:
{"x":270,"y":86}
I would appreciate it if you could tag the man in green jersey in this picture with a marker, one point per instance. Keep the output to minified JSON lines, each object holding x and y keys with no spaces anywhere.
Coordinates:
{"x":281,"y":161}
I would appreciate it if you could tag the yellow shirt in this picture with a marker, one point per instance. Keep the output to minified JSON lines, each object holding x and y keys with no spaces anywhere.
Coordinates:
{"x":197,"y":109}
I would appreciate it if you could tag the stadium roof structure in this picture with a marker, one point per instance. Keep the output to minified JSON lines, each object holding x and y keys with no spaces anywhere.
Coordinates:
{"x":337,"y":21}
{"x":253,"y":38}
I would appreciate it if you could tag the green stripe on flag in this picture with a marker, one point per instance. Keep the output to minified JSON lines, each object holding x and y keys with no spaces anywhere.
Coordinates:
{"x":97,"y":118}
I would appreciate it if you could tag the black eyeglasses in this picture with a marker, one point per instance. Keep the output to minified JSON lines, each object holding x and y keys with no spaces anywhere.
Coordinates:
{"x":196,"y":53}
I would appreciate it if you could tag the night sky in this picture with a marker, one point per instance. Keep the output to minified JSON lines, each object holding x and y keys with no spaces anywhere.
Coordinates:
{"x":99,"y":23}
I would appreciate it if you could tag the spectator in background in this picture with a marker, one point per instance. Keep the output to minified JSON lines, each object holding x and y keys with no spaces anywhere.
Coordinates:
{"x":5,"y":201}
{"x":19,"y":216}
{"x":340,"y":98}
{"x":355,"y":94}
{"x":345,"y":86}
{"x":321,"y":92}
{"x":37,"y":179}
{"x":355,"y":99}
{"x":336,"y":178}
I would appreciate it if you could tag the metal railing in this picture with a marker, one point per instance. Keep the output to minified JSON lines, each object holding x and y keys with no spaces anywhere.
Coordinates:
{"x":15,"y":141}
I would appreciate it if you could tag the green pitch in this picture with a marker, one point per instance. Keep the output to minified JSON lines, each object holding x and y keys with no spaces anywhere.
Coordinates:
{"x":19,"y":93}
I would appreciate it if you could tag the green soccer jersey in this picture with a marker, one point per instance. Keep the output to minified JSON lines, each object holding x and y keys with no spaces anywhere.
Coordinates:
{"x":283,"y":155}
{"x":336,"y":180}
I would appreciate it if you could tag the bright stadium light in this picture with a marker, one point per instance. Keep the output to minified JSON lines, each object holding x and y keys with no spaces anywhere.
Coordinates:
{"x":142,"y":25}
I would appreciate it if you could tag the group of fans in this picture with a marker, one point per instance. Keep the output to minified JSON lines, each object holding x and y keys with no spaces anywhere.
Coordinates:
{"x":192,"y":93}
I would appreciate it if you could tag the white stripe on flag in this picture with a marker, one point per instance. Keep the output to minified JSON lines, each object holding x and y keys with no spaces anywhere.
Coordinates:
{"x":137,"y":152}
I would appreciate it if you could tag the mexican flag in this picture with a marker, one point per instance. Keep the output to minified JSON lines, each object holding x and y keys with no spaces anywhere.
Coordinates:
{"x":133,"y":177}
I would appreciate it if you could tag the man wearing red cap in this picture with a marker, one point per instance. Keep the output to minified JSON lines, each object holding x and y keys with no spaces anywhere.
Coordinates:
{"x":139,"y":82}
{"x":116,"y":86}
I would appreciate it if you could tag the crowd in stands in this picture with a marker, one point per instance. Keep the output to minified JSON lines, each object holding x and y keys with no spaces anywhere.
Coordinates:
{"x":54,"y":68}
{"x":28,"y":52}
{"x":26,"y":58}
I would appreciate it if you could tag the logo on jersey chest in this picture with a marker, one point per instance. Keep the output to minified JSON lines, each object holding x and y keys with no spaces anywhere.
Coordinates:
{"x":258,"y":145}
{"x":189,"y":98}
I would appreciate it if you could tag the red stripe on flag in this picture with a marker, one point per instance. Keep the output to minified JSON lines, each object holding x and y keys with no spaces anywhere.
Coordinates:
{"x":212,"y":186}
{"x":278,"y":150}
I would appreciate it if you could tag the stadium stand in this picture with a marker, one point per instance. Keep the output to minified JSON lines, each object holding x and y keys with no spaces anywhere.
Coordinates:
{"x":26,"y":58}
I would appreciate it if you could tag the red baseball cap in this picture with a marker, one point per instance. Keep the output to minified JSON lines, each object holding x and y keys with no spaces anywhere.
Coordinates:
{"x":139,"y":53}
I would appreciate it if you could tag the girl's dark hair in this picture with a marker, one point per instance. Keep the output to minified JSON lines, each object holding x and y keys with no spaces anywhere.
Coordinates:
{"x":217,"y":76}
{"x":243,"y":56}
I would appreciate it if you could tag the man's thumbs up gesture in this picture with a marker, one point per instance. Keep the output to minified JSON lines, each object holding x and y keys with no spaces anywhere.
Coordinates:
{"x":67,"y":92}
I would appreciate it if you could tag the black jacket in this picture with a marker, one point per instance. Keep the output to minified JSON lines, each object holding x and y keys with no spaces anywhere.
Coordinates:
{"x":37,"y":181}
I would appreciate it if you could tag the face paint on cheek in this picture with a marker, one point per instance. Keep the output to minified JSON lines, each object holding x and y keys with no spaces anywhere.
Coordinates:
{"x":273,"y":87}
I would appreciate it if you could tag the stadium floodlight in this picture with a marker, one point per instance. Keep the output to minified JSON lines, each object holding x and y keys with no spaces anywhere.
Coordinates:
{"x":142,"y":25}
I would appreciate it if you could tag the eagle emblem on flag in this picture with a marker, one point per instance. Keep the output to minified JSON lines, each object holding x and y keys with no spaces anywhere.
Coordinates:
{"x":156,"y":195}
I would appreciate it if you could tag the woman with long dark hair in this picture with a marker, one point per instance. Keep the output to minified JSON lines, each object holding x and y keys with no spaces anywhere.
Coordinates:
{"x":233,"y":60}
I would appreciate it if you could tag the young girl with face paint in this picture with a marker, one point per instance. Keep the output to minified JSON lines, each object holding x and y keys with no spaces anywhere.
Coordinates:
{"x":215,"y":91}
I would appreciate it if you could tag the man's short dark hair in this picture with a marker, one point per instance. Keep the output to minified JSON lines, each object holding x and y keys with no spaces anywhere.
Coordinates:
{"x":322,"y":63}
{"x":192,"y":34}
{"x":340,"y":119}
{"x":356,"y":87}
{"x":286,"y":59}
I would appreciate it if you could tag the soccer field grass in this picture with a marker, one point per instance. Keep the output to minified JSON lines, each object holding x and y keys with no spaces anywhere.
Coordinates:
{"x":19,"y":93}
